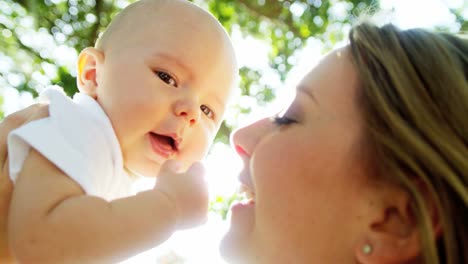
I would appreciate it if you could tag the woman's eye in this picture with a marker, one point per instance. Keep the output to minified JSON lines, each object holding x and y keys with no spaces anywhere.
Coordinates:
{"x":207,"y":111}
{"x":165,"y":77}
{"x":282,"y":120}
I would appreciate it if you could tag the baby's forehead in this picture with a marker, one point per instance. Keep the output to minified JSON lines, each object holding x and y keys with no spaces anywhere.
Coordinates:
{"x":145,"y":15}
{"x":147,"y":9}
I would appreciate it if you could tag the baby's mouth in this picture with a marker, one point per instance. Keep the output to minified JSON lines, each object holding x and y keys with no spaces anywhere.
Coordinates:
{"x":166,"y":140}
{"x":163,"y":144}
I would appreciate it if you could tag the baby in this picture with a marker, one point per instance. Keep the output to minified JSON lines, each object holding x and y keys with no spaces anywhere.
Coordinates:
{"x":153,"y":89}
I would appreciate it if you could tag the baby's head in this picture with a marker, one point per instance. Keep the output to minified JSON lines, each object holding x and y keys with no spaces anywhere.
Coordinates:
{"x":163,"y":72}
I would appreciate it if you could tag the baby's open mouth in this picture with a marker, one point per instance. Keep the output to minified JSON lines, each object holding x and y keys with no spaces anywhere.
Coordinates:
{"x":166,"y":142}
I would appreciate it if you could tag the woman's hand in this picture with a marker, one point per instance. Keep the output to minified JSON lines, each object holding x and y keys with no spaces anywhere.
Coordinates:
{"x":10,"y":123}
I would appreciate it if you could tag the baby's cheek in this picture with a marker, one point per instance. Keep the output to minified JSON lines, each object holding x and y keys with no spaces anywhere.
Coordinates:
{"x":206,"y":139}
{"x":195,"y":149}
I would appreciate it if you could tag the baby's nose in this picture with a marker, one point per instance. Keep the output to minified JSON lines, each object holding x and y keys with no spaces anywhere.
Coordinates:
{"x":188,"y":110}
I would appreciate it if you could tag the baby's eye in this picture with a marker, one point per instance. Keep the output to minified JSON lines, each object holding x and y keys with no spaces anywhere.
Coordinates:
{"x":167,"y":78}
{"x":207,"y":111}
{"x":282,"y":120}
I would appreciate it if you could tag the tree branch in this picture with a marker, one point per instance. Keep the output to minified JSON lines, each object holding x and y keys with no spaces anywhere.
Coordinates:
{"x":271,"y":10}
{"x":97,"y":11}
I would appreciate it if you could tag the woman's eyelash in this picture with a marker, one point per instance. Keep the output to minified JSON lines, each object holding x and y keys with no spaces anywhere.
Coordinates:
{"x":282,"y":120}
{"x":167,"y":78}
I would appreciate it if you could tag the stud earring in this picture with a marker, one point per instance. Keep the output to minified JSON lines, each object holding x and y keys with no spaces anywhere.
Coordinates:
{"x":367,"y":249}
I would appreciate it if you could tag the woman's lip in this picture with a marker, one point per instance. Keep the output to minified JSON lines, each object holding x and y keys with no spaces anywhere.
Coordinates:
{"x":241,"y":151}
{"x":159,"y":148}
{"x":242,"y":205}
{"x":240,"y":210}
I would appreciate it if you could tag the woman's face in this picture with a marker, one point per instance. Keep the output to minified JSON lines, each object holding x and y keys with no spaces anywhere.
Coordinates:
{"x":307,"y":174}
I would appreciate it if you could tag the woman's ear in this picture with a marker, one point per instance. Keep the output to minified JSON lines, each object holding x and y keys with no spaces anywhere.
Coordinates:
{"x":391,"y":231}
{"x":89,"y":61}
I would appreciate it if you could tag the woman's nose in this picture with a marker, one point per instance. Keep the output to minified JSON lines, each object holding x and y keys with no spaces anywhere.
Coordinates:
{"x":188,"y":109}
{"x":245,"y":139}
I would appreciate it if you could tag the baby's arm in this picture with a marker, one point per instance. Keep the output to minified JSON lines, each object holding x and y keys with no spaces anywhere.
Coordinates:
{"x":53,"y":221}
{"x":8,"y":124}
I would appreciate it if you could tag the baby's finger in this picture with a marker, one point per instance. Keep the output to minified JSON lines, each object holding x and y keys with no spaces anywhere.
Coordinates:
{"x":173,"y":166}
{"x":198,"y":172}
{"x":197,"y":168}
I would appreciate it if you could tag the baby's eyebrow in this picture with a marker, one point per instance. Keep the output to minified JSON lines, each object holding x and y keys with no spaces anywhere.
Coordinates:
{"x":175,"y":60}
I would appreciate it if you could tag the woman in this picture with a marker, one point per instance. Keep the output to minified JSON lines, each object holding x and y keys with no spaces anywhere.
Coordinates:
{"x":370,"y":162}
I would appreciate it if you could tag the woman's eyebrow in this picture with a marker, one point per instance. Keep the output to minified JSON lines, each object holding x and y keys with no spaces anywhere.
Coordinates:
{"x":308,"y":92}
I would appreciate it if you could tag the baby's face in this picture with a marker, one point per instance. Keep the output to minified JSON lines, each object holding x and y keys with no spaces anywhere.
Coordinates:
{"x":165,"y":86}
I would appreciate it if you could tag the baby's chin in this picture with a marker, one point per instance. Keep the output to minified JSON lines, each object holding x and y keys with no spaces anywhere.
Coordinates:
{"x":150,"y":169}
{"x":143,"y":171}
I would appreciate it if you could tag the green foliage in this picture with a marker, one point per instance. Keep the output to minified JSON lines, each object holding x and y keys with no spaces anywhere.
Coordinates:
{"x":285,"y":25}
{"x":221,"y":204}
{"x":74,"y":24}
{"x":250,"y":85}
{"x":460,"y":18}
{"x":66,"y":80}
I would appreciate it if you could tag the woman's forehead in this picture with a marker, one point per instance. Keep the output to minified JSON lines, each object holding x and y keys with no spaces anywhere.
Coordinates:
{"x":333,"y":76}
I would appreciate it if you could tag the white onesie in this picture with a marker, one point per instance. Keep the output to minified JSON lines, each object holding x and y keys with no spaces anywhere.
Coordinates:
{"x":79,"y":139}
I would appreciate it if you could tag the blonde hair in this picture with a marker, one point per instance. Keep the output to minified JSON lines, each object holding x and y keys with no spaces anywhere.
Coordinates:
{"x":414,"y":100}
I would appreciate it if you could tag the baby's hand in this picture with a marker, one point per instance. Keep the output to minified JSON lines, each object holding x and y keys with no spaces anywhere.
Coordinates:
{"x":188,"y":191}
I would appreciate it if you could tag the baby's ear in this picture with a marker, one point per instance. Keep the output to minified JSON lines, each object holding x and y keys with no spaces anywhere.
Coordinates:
{"x":391,"y":231}
{"x":89,"y":61}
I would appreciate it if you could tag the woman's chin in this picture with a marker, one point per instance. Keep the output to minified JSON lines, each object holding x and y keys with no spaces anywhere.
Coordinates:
{"x":227,"y":247}
{"x":231,"y":248}
{"x":234,"y":245}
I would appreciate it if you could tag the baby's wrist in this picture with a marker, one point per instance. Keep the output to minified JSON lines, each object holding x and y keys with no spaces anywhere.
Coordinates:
{"x":170,"y":203}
